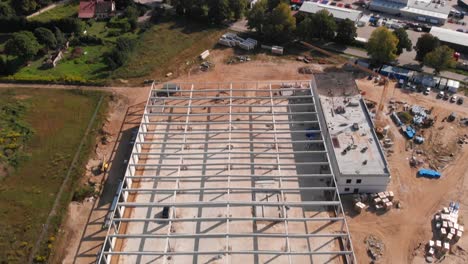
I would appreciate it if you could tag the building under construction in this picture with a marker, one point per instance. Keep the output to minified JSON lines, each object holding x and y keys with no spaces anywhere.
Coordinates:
{"x":232,"y":173}
{"x":357,"y":158}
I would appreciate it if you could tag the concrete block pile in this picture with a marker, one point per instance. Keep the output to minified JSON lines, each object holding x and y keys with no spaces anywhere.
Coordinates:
{"x":447,"y":231}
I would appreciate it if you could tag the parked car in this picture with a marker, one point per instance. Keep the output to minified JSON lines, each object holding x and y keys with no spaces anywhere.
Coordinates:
{"x":427,"y":91}
{"x":452,"y":117}
{"x":401,"y":83}
{"x":333,"y":3}
{"x":418,"y":29}
{"x":453,"y":99}
{"x":460,"y":100}
{"x":348,"y":6}
{"x":446,"y":96}
{"x":460,"y":30}
{"x":440,"y":94}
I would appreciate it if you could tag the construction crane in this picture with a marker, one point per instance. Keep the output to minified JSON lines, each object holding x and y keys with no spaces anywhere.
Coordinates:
{"x":343,"y":61}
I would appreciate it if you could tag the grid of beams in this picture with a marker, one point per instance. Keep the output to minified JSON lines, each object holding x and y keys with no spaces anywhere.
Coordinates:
{"x":243,"y":173}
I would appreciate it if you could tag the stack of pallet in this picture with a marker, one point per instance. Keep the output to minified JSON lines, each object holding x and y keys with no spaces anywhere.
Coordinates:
{"x":383,"y":200}
{"x":232,"y":40}
{"x":359,"y":206}
{"x":447,"y":230}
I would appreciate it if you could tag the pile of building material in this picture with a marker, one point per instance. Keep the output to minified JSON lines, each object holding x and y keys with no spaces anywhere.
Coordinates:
{"x":359,"y":206}
{"x":232,"y":40}
{"x":419,"y":113}
{"x":382,"y":200}
{"x":375,"y":247}
{"x":447,"y":231}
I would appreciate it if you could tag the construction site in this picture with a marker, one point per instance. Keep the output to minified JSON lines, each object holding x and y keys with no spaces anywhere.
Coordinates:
{"x":315,"y":170}
{"x":226,"y":172}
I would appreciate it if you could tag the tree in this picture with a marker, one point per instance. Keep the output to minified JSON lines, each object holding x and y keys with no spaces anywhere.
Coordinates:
{"x":382,"y":45}
{"x":272,"y":4}
{"x":323,"y":25}
{"x":403,"y":40}
{"x":280,"y":23}
{"x":440,"y":59}
{"x":238,"y":8}
{"x":426,"y":43}
{"x":304,"y":28}
{"x":46,"y":37}
{"x":257,"y":16}
{"x":6,"y":10}
{"x":24,"y":7}
{"x":22,"y":44}
{"x":218,"y":10}
{"x":345,"y":32}
{"x":59,"y":37}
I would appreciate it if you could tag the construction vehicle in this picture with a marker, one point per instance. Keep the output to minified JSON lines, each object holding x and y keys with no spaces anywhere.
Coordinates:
{"x":381,"y":78}
{"x":104,"y":165}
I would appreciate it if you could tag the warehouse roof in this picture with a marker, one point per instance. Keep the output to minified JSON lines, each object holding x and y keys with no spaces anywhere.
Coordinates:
{"x":337,"y":12}
{"x":450,"y":36}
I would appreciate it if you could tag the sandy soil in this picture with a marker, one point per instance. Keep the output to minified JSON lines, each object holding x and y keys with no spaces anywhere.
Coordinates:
{"x":405,"y":231}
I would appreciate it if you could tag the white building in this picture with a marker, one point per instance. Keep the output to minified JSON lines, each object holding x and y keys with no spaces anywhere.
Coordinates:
{"x":357,"y":158}
{"x":338,"y":13}
{"x":421,"y":10}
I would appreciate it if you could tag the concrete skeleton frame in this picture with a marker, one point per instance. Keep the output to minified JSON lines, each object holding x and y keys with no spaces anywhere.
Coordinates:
{"x":173,"y":148}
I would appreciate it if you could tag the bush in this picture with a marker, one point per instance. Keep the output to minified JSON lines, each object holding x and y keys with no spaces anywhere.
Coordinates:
{"x":91,"y":40}
{"x":82,"y":192}
{"x":405,"y":117}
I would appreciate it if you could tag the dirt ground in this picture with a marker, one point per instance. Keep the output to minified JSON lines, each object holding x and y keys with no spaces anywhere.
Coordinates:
{"x":405,"y":231}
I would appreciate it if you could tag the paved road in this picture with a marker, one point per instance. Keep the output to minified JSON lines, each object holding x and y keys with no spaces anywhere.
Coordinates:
{"x":405,"y":61}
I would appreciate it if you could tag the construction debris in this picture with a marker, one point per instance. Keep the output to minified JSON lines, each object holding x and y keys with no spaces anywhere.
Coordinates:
{"x":375,"y":246}
{"x":305,"y":70}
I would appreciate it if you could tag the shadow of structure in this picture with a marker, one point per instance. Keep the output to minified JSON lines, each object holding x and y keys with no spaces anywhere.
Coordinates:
{"x":94,"y":232}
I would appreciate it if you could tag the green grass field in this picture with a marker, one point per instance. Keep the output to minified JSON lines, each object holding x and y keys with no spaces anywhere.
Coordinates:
{"x":88,"y":68}
{"x":59,"y":12}
{"x":27,"y":193}
{"x":166,"y":46}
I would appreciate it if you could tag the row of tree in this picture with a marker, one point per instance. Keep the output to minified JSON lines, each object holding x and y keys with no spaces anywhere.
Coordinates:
{"x":273,"y":20}
{"x":26,"y":44}
{"x":214,"y":11}
{"x":385,"y":46}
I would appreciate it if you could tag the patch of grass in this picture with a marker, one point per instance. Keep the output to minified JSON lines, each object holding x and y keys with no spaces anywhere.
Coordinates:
{"x":88,"y":68}
{"x":59,"y":12}
{"x":14,"y":132}
{"x":27,"y":194}
{"x":166,"y":46}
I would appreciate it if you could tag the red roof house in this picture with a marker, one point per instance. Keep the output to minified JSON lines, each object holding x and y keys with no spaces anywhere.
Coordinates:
{"x":87,"y":9}
{"x":96,"y":9}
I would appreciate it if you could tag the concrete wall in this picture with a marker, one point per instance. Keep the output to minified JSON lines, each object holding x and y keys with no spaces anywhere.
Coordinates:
{"x":369,"y":183}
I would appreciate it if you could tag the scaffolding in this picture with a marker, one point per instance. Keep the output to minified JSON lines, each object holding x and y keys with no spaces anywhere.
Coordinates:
{"x":229,"y":172}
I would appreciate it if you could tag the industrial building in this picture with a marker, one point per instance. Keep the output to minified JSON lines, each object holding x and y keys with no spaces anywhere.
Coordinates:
{"x":421,"y":10}
{"x":357,"y":158}
{"x":338,"y":13}
{"x":232,"y":173}
{"x":454,"y":39}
